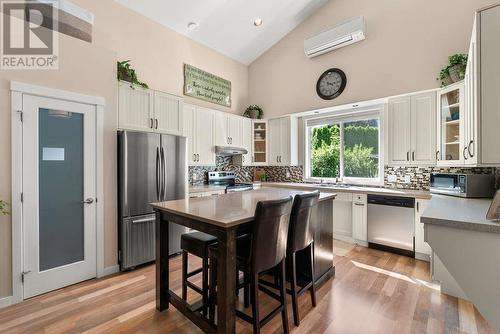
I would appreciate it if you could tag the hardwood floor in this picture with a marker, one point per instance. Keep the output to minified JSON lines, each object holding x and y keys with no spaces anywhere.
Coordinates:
{"x":373,"y":292}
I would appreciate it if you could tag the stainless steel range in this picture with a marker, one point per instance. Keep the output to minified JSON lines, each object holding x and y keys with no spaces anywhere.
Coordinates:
{"x":228,"y":179}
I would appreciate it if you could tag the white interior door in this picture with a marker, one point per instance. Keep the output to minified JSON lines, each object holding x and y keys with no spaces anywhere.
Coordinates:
{"x":59,"y":190}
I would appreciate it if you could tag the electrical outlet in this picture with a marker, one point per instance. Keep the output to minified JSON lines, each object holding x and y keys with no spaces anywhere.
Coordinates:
{"x":407,"y":178}
{"x":392,"y":178}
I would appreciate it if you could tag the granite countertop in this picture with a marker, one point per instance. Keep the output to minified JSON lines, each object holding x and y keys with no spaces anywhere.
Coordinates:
{"x":418,"y":194}
{"x":462,"y":213}
{"x":228,"y":210}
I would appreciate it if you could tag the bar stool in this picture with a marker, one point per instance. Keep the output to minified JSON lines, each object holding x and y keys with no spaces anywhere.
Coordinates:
{"x":262,"y":252}
{"x":196,"y":243}
{"x":301,"y":236}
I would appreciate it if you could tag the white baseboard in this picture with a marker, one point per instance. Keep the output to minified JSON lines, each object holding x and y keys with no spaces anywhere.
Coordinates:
{"x":5,"y":301}
{"x":343,"y":238}
{"x":110,"y":270}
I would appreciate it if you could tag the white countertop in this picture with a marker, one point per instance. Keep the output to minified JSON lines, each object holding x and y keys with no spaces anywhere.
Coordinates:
{"x":417,"y":194}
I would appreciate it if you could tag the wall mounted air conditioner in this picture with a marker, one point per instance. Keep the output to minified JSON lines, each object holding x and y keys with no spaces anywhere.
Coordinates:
{"x":349,"y":32}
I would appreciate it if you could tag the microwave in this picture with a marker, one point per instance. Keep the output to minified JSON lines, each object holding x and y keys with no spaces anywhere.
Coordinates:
{"x":463,"y":185}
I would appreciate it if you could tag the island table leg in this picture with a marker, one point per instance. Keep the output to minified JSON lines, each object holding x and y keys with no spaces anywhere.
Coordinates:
{"x":226,"y":284}
{"x":162,"y":263}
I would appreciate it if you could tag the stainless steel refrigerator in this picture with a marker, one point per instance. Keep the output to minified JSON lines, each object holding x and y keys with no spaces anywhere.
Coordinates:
{"x":151,"y":168}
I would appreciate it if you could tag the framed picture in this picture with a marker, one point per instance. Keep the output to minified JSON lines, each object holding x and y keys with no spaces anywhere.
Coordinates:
{"x":493,"y":211}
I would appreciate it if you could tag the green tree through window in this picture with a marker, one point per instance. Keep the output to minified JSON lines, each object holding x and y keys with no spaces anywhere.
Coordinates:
{"x":360,"y":153}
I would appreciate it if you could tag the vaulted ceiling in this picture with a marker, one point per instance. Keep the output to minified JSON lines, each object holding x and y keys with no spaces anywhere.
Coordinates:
{"x":228,"y":25}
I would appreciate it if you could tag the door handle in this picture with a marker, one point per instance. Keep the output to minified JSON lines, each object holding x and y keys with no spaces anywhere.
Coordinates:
{"x":156,"y":123}
{"x":463,"y":153}
{"x":469,"y":150}
{"x":157,"y":173}
{"x":437,"y":155}
{"x":162,"y":174}
{"x":151,"y":123}
{"x":88,"y":201}
{"x":143,"y":220}
{"x":408,"y":156}
{"x":413,"y":156}
{"x":194,"y":157}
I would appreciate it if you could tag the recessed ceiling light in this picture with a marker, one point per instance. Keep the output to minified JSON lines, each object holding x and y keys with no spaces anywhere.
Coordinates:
{"x":257,"y":22}
{"x":192,"y":25}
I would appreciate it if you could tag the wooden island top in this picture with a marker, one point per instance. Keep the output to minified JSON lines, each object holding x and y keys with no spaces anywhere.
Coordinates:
{"x":228,"y":210}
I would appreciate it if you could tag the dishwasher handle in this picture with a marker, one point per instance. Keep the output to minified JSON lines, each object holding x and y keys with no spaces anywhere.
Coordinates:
{"x":404,"y":202}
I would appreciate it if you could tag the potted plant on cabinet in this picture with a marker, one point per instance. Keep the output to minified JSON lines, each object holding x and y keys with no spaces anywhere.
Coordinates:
{"x":254,"y":111}
{"x":454,"y":71}
{"x":127,"y":73}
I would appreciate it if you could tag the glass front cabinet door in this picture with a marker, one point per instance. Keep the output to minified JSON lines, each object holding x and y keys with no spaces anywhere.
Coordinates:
{"x":451,"y":128}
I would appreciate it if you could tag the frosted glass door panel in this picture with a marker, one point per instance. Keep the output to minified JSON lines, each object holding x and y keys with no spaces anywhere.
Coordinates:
{"x":61,"y":188}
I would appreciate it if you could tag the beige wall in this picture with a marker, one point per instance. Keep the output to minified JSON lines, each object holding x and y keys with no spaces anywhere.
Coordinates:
{"x":157,"y":54}
{"x":407,"y":44}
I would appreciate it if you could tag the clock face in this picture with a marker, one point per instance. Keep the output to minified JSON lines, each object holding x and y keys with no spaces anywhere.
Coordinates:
{"x":331,"y":84}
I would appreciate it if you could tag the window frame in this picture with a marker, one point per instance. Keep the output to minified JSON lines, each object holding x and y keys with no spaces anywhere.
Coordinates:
{"x":340,"y":117}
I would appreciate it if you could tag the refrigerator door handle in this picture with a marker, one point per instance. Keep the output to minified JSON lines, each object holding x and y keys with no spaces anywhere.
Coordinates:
{"x":157,"y":173}
{"x":163,"y":175}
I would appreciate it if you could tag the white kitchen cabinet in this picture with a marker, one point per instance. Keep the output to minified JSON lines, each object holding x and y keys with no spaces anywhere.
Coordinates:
{"x":359,"y":219}
{"x":199,"y":125}
{"x":451,"y":126}
{"x":168,"y":113}
{"x":228,"y":129}
{"x":135,"y":107}
{"x":422,"y":248}
{"x":283,"y":141}
{"x":143,"y":109}
{"x":481,"y":98}
{"x":246,"y":143}
{"x":411,"y":129}
{"x":260,"y":140}
{"x":342,"y":217}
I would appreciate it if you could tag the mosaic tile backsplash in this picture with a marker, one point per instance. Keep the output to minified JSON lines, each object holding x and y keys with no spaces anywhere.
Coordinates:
{"x":419,"y":176}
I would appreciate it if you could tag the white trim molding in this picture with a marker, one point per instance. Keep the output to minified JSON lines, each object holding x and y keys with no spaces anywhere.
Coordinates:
{"x":18,"y":90}
{"x":109,"y":271}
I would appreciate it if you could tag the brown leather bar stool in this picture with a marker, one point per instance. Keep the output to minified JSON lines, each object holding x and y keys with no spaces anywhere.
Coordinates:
{"x":263,"y":251}
{"x":196,"y":243}
{"x":301,"y":236}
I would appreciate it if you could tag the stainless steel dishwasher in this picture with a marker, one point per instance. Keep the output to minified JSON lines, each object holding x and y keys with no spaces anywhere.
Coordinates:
{"x":391,"y":224}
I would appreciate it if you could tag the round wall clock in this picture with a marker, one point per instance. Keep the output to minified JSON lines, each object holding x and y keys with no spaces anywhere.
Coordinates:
{"x":331,"y":84}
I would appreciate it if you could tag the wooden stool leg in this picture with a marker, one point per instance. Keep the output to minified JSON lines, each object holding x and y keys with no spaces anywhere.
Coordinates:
{"x":246,"y":290}
{"x":184,"y":274}
{"x":284,"y":312}
{"x":295,"y":306}
{"x":255,"y":303}
{"x":212,"y":286}
{"x":204,"y":285}
{"x":313,"y":287}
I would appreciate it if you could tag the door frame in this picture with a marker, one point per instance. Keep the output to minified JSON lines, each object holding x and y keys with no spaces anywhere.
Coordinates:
{"x":18,"y":90}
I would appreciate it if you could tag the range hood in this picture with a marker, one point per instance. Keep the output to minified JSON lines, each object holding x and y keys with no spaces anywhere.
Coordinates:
{"x":229,"y":151}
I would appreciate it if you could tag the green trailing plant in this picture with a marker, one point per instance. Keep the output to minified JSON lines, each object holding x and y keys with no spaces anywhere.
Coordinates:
{"x":127,"y":73}
{"x":456,"y":62}
{"x":4,"y":207}
{"x":254,"y":111}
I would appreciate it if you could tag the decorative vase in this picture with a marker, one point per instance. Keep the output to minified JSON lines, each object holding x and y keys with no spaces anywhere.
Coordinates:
{"x":456,"y":72}
{"x":254,"y":113}
{"x":446,"y":81}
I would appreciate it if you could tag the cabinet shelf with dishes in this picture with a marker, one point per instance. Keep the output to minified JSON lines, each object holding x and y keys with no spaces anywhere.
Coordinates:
{"x":259,"y":142}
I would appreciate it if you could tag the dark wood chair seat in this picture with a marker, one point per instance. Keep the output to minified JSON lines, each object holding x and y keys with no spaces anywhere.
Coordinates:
{"x":264,"y":250}
{"x":196,"y":243}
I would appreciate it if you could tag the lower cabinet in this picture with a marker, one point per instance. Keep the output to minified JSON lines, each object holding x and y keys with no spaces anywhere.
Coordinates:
{"x":422,"y":248}
{"x":359,"y":219}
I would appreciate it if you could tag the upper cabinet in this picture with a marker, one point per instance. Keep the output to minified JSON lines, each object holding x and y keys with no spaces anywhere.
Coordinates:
{"x":452,"y":149}
{"x":283,"y":141}
{"x":411,"y":130}
{"x":259,"y":142}
{"x":199,"y":125}
{"x":246,"y":143}
{"x":469,"y":111}
{"x":228,"y":129}
{"x":147,"y":110}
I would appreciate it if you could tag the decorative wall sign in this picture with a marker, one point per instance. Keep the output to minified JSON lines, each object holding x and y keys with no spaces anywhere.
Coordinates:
{"x":205,"y":86}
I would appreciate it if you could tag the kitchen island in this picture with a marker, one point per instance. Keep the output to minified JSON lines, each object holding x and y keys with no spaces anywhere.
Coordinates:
{"x":225,"y":217}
